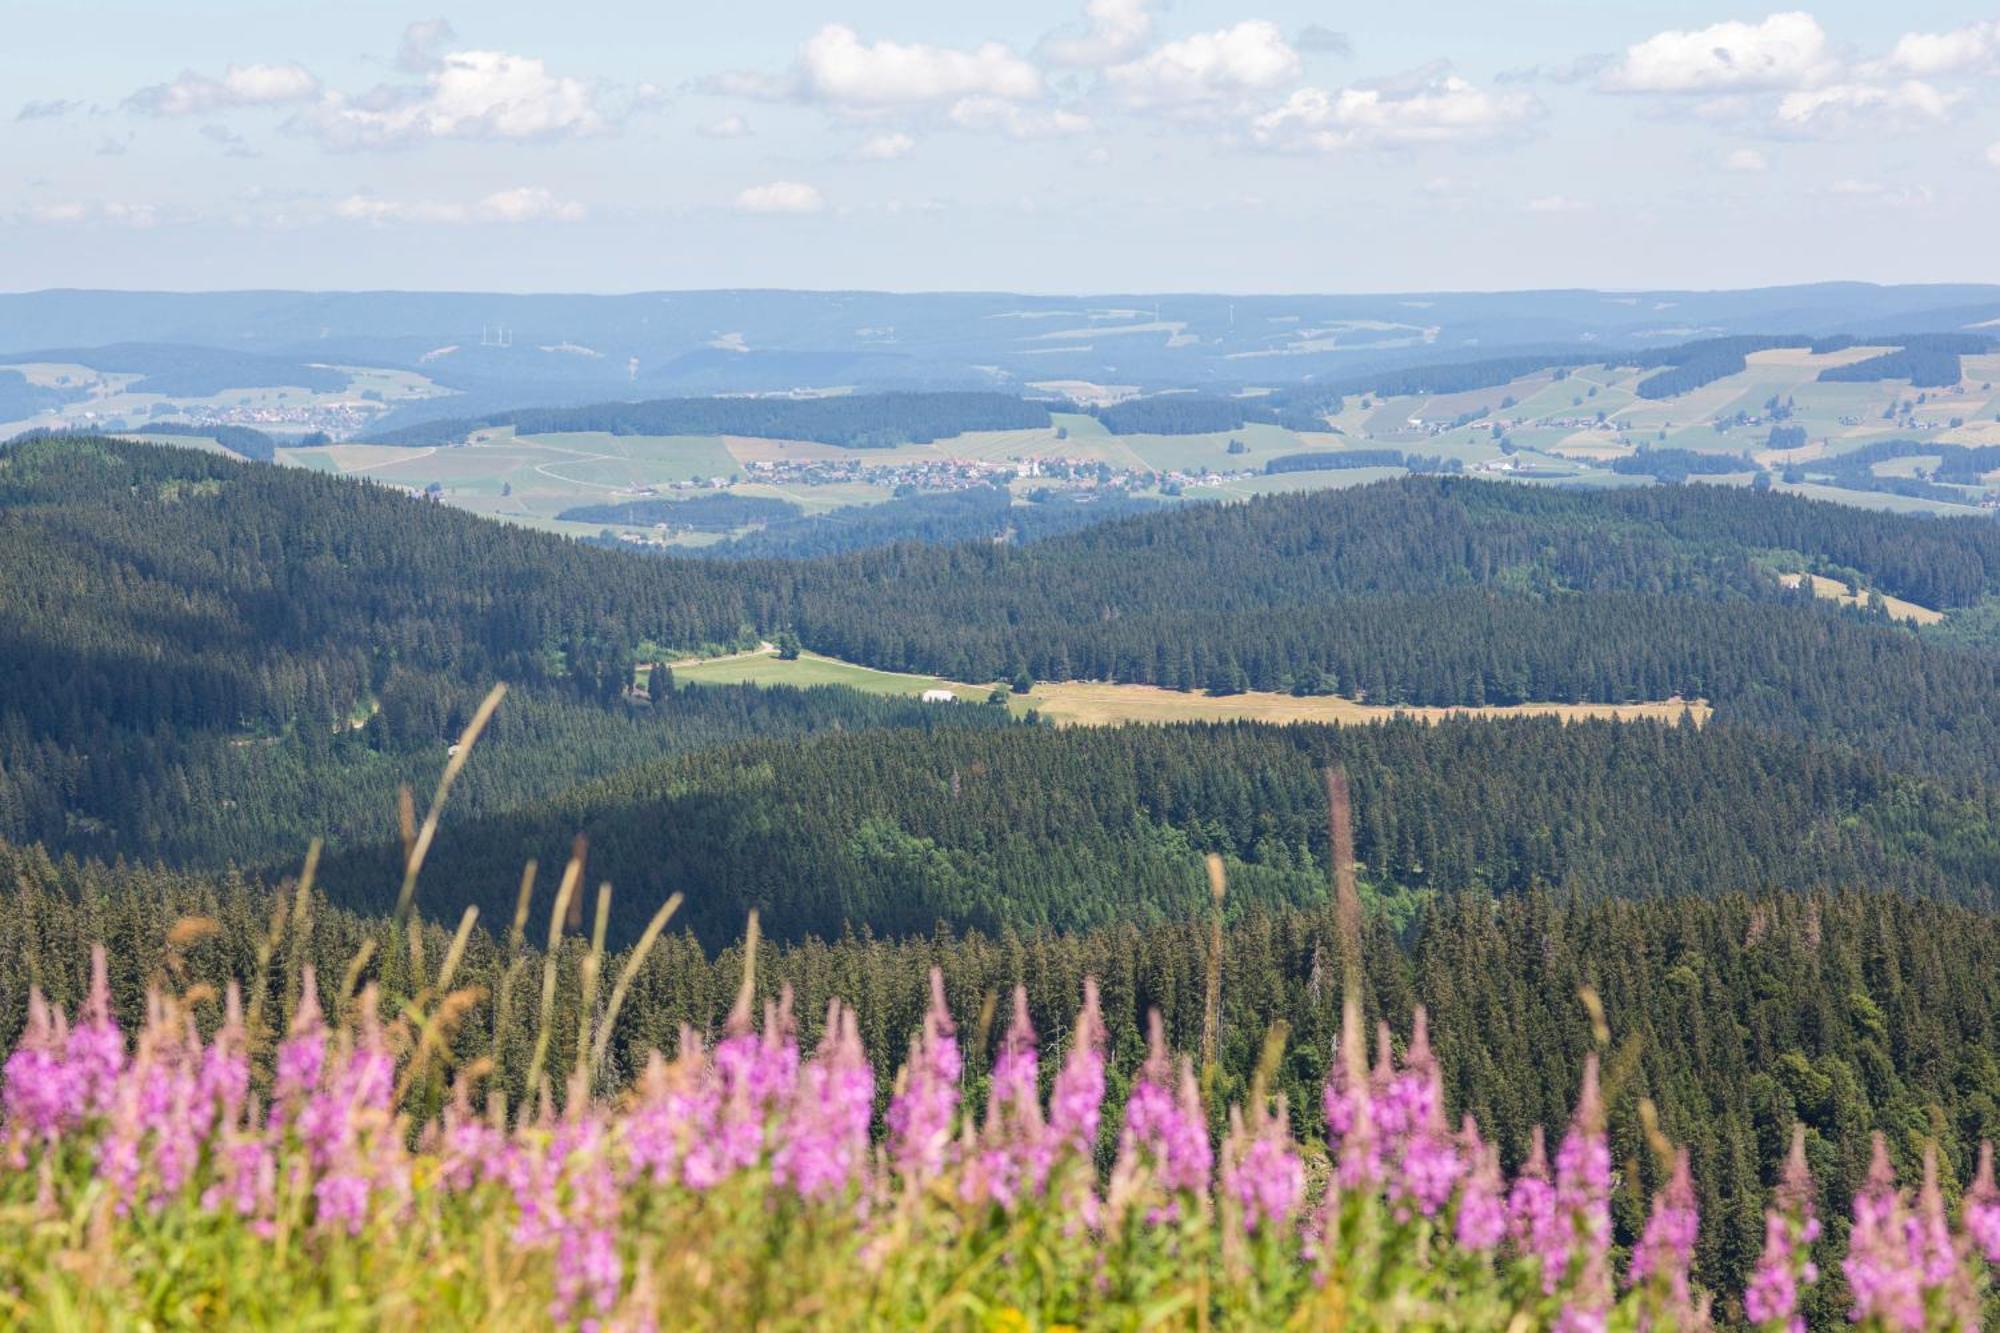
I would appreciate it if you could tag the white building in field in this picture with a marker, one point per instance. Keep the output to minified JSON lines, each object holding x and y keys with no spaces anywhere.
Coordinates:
{"x":939,"y":697}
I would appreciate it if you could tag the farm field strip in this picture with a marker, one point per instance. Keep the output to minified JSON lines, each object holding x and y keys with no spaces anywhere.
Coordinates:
{"x":1104,"y":703}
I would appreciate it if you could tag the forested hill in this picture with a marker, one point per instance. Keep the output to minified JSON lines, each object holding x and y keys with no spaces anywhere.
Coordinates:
{"x":210,"y":659}
{"x":1032,"y":827}
{"x":862,"y":421}
{"x":207,"y":660}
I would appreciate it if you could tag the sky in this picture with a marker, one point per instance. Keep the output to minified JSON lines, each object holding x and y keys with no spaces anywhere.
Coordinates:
{"x":1068,"y":146}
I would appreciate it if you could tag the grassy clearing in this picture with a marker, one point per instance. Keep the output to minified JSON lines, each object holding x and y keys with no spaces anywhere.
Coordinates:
{"x":765,"y":667}
{"x":1097,"y":704}
{"x":1835,"y":591}
{"x":1100,"y":703}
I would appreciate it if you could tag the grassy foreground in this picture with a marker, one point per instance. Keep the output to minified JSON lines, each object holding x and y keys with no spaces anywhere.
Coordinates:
{"x":331,"y":1179}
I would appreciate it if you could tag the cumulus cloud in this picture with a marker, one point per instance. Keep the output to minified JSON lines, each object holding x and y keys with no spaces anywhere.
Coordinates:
{"x":1556,"y":203}
{"x":1113,"y":30}
{"x":1993,"y":155}
{"x":837,"y":68}
{"x":240,"y":86}
{"x":781,"y":197}
{"x":467,"y":95}
{"x":1974,"y":47}
{"x":82,"y":213}
{"x":1442,"y":109}
{"x":1784,"y":51}
{"x":51,"y":108}
{"x":727,"y":127}
{"x":886,"y":148}
{"x":1208,"y":69}
{"x":523,"y":203}
{"x":1747,"y":161}
{"x":1836,"y":103}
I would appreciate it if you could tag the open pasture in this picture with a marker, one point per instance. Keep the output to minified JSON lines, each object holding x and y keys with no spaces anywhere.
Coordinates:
{"x":1103,"y":703}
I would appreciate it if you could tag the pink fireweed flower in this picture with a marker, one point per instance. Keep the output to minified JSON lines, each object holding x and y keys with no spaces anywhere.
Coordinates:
{"x":1534,"y":1223}
{"x":152,"y":1120}
{"x":246,"y":1173}
{"x":920,"y":1114}
{"x":574,"y":1200}
{"x":1349,"y":1103}
{"x":1261,"y":1169}
{"x":41,"y":1095}
{"x":1884,"y":1283}
{"x":468,"y":1146}
{"x":349,"y":1126}
{"x":1666,"y":1247}
{"x":1771,"y":1300}
{"x":1165,"y":1131}
{"x":674,"y":1103}
{"x":1583,"y":1198}
{"x":825,"y":1140}
{"x":222,"y":1084}
{"x":95,"y":1050}
{"x":1010,"y":1149}
{"x":1482,"y":1207}
{"x":1076,"y":1103}
{"x":1016,"y":1069}
{"x":302,"y":1054}
{"x":1982,"y":1209}
{"x":752,"y":1073}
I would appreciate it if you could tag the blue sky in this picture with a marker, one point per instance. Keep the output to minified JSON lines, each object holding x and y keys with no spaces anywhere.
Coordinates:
{"x":1102,"y":145}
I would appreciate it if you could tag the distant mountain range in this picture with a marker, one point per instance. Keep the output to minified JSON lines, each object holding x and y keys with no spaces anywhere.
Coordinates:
{"x":504,"y":351}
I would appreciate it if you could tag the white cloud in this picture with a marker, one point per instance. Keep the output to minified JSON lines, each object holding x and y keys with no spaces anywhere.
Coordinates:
{"x":886,"y":148}
{"x":1209,"y":68}
{"x":781,"y":197}
{"x":529,"y":203}
{"x":838,"y":69}
{"x":728,"y":127}
{"x":992,"y":115}
{"x":1975,"y":46}
{"x":1117,"y":29}
{"x":239,"y":86}
{"x":1993,"y":155}
{"x":1838,"y":102}
{"x":1748,"y":161}
{"x":1784,"y":51}
{"x":1892,"y":196}
{"x":1445,"y":109}
{"x":1557,"y":203}
{"x":468,"y":95}
{"x":72,"y":213}
{"x":523,"y":203}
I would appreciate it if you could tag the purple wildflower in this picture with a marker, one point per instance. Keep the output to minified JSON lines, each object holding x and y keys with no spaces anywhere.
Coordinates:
{"x":1165,"y":1134}
{"x":1666,"y":1247}
{"x":1261,"y":1170}
{"x":825,"y":1140}
{"x":1982,"y":1209}
{"x":1771,"y":1300}
{"x":1482,"y":1209}
{"x":926,"y":1099}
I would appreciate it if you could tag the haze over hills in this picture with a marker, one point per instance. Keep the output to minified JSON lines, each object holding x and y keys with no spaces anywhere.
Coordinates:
{"x":513,"y":351}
